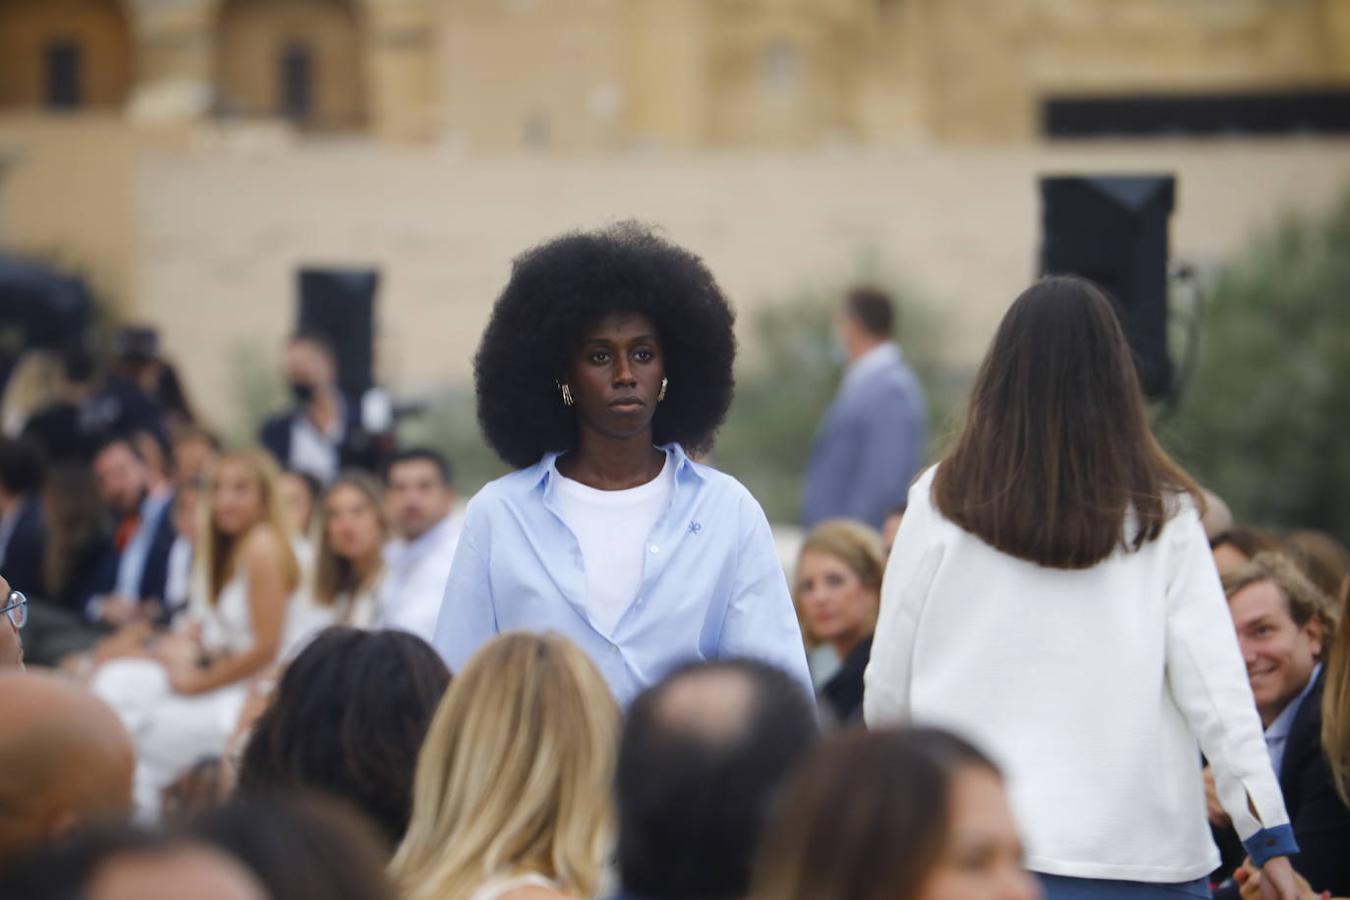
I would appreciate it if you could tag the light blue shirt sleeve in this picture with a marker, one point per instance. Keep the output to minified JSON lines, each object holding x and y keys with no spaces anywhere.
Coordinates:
{"x":467,"y":619}
{"x":761,"y":622}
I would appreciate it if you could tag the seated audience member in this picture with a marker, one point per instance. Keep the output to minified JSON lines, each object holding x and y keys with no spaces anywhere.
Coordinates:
{"x":181,"y":701}
{"x":64,"y":760}
{"x":300,"y":848}
{"x":838,"y":591}
{"x":33,"y":386}
{"x":703,"y":757}
{"x":349,"y":568}
{"x":511,"y":799}
{"x":122,"y":862}
{"x":194,"y":452}
{"x":67,"y":431}
{"x":300,"y":492}
{"x":15,"y":608}
{"x":895,"y":815}
{"x":185,"y":513}
{"x":77,"y":543}
{"x":22,"y":534}
{"x":131,"y":583}
{"x":1284,"y":626}
{"x":320,"y":434}
{"x":1325,"y":560}
{"x":348,"y":719}
{"x":420,"y":498}
{"x":157,"y":452}
{"x":1237,"y":546}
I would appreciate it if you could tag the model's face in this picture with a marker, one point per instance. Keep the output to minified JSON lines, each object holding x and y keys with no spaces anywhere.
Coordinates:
{"x":417,"y":497}
{"x":1280,"y":655}
{"x":837,"y":606}
{"x":983,"y":856}
{"x":121,"y":478}
{"x":236,"y":498}
{"x":352,"y":523}
{"x":616,"y":375}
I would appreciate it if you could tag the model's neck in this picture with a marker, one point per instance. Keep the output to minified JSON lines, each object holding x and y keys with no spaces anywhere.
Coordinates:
{"x":613,"y":464}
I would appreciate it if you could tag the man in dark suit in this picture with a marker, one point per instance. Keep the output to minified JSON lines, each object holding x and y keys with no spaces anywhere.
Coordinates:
{"x":132,"y":577}
{"x":871,"y":442}
{"x":320,"y":435}
{"x":1284,"y":625}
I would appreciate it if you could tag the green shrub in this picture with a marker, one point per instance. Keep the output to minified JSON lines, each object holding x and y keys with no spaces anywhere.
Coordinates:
{"x":1265,"y":419}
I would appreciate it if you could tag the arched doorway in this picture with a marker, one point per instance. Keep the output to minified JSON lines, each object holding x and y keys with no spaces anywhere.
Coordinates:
{"x":64,"y":54}
{"x":300,"y":60}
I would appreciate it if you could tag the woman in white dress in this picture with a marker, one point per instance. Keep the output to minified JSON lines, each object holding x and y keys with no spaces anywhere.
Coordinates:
{"x":511,"y":797}
{"x":183,"y":698}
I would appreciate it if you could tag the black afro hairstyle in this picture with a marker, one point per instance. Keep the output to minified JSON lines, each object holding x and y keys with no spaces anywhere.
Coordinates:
{"x":560,"y":288}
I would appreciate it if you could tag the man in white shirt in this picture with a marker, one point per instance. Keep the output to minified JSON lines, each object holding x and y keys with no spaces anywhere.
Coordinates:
{"x":420,"y":499}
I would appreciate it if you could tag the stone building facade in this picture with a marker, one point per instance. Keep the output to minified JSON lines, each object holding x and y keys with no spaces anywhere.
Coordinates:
{"x":585,"y":75}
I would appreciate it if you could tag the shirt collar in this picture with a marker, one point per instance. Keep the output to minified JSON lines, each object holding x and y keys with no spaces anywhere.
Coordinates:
{"x":874,"y":360}
{"x":545,"y":472}
{"x":1285,"y":720}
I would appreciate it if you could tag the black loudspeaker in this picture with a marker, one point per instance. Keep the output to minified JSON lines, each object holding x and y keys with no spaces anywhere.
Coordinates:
{"x":339,"y":304}
{"x":1113,"y":230}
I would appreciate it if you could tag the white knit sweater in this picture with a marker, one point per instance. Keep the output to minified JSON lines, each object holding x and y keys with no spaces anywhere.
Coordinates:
{"x":1089,"y":687}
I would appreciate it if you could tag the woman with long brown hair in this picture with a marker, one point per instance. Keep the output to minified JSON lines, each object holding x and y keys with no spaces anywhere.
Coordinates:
{"x":1052,"y":595}
{"x":911,"y":814}
{"x":181,"y":700}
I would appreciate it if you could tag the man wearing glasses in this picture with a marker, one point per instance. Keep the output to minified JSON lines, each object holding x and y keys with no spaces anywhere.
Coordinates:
{"x":15,"y":609}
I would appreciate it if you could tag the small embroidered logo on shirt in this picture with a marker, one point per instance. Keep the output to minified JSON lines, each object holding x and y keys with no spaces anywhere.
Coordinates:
{"x":695,"y":527}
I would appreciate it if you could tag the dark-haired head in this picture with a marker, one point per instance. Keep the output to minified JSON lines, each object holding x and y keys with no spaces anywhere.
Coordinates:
{"x":300,"y":846}
{"x":21,"y":467}
{"x":702,"y":757}
{"x":874,"y":815}
{"x":567,"y":285}
{"x":122,"y":860}
{"x":348,"y":719}
{"x":432,"y":457}
{"x":873,"y":311}
{"x":1236,"y":546}
{"x":1057,"y":447}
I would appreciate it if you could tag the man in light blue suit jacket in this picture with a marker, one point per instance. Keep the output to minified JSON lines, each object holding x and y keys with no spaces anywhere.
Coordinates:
{"x":871,"y":442}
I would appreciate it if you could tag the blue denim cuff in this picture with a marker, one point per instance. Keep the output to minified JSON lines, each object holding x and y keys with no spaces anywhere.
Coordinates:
{"x":1269,"y":843}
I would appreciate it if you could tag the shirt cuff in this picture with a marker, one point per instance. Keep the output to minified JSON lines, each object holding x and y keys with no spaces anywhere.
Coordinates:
{"x":1269,"y":843}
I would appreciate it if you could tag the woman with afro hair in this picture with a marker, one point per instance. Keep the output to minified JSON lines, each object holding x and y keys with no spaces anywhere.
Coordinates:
{"x":607,"y":361}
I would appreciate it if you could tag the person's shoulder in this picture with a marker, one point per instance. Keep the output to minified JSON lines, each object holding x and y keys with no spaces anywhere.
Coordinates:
{"x":263,"y":545}
{"x":723,"y":485}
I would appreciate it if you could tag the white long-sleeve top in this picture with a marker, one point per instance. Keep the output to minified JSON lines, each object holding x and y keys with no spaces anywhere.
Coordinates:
{"x":1088,"y":687}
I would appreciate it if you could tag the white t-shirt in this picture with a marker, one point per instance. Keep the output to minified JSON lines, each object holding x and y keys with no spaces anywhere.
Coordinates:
{"x":612,"y":529}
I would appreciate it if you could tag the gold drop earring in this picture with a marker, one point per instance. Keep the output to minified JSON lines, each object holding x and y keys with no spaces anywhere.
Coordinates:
{"x":566,"y":390}
{"x":662,"y":395}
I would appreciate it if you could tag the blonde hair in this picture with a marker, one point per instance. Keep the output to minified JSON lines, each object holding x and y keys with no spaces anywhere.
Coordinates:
{"x":1301,"y":596}
{"x":856,"y":545}
{"x":514,"y":775}
{"x":34,"y":385}
{"x":1336,"y":702}
{"x":217,"y":552}
{"x":334,"y":576}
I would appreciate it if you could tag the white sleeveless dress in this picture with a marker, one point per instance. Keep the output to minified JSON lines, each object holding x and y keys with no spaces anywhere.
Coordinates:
{"x":172,"y":731}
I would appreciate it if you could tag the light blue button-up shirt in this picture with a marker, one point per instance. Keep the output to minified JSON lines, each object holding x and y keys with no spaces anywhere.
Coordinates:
{"x":712,"y":586}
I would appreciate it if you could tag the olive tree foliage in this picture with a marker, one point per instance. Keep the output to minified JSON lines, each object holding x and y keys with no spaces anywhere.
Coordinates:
{"x":1264,"y":419}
